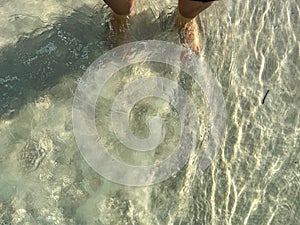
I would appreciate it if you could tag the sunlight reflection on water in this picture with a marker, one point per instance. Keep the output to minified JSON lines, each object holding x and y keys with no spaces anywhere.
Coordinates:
{"x":46,"y":47}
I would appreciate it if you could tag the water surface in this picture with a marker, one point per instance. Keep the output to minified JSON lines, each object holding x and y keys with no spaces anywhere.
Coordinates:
{"x":251,"y":47}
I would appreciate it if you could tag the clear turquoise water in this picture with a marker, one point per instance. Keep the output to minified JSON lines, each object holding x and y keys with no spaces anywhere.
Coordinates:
{"x":251,"y":47}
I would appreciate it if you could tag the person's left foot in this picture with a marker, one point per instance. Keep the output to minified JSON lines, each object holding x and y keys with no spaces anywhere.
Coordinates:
{"x":118,"y":28}
{"x":188,"y":32}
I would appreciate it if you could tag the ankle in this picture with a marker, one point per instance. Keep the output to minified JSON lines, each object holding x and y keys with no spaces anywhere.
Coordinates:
{"x":182,"y":21}
{"x":118,"y":23}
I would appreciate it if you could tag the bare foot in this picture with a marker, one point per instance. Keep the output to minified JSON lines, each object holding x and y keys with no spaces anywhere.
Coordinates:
{"x":188,"y":32}
{"x":118,"y":27}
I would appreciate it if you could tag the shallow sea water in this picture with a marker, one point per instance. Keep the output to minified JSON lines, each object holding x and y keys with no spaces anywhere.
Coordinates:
{"x":251,"y":47}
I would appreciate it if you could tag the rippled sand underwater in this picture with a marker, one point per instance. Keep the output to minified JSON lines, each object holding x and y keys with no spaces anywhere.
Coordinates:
{"x":251,"y":47}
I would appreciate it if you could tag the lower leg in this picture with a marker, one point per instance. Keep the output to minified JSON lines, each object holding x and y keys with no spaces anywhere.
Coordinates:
{"x":118,"y":21}
{"x":190,"y":9}
{"x":187,"y":26}
{"x":120,"y":7}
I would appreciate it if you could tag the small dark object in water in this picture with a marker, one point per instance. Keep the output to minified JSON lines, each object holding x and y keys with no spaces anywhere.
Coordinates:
{"x":263,"y":101}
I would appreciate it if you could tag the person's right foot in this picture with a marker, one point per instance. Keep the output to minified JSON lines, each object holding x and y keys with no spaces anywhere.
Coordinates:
{"x":188,"y":32}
